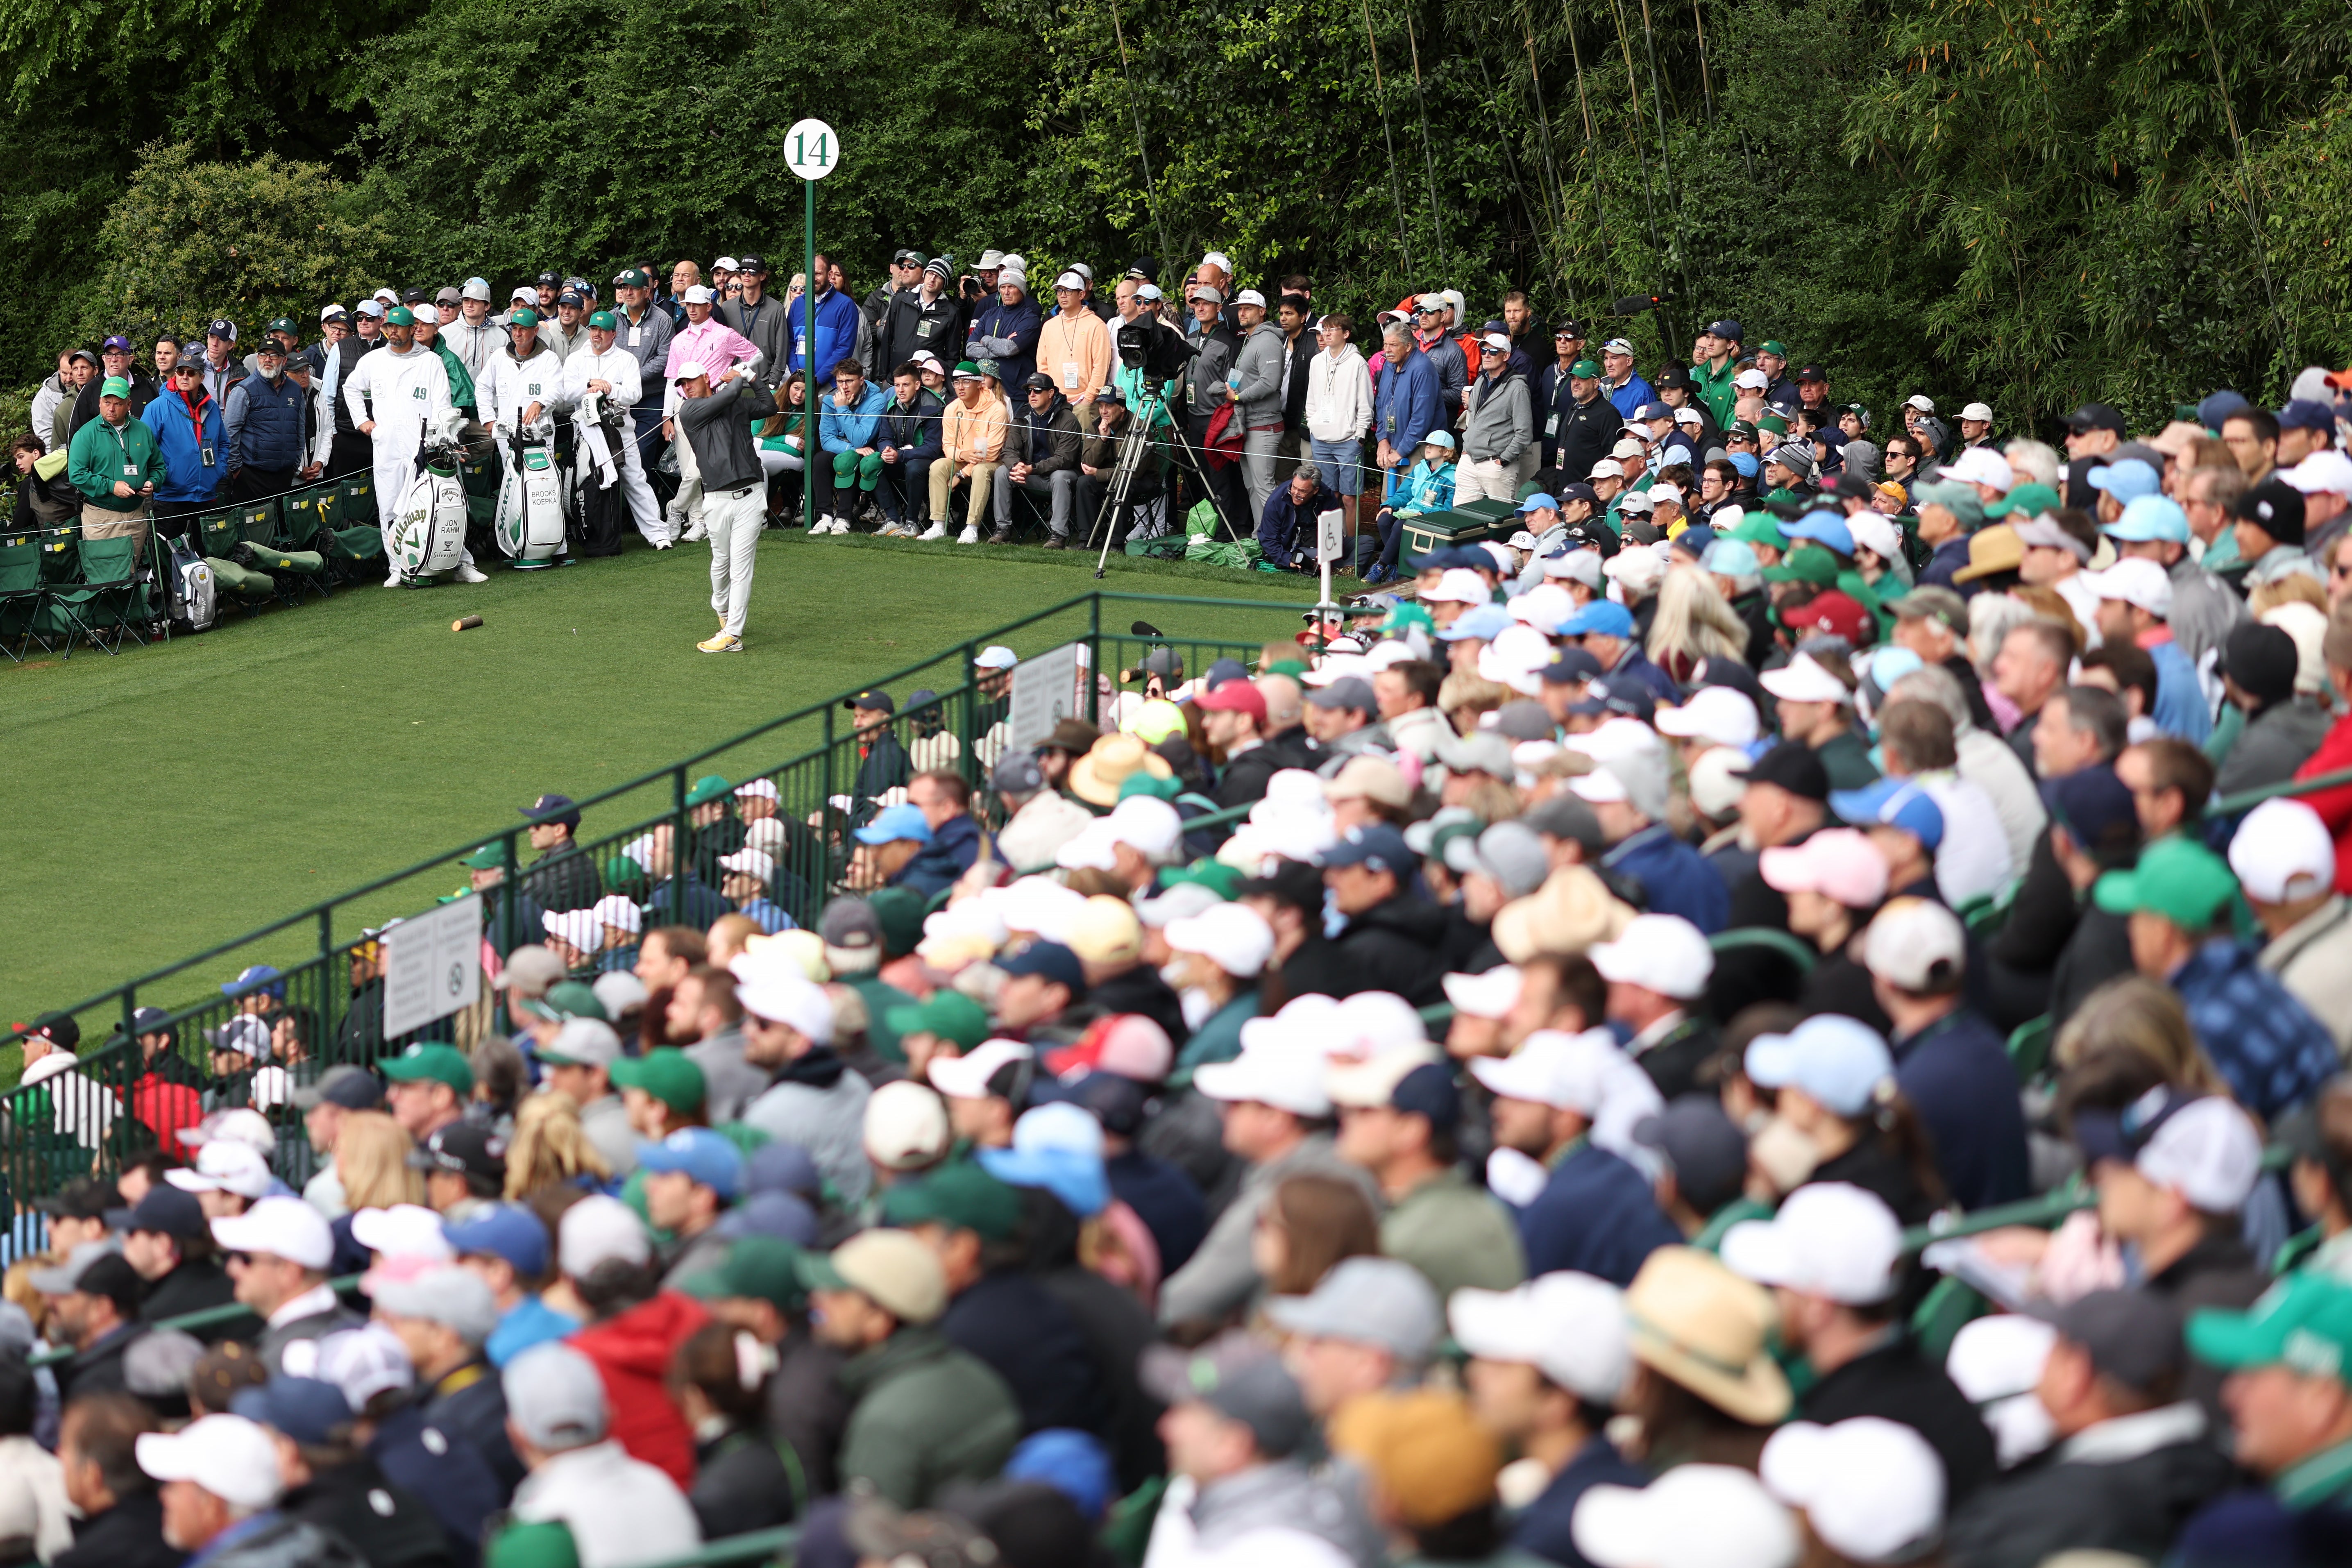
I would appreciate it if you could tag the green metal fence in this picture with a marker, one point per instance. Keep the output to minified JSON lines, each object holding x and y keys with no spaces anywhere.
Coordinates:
{"x":121,"y":1096}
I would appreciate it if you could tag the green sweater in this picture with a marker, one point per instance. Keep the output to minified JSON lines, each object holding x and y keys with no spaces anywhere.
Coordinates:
{"x":925,"y":1414}
{"x":103,"y":453}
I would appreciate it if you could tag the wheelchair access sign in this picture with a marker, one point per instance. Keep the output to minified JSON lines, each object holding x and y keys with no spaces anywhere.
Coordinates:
{"x":432,"y":966}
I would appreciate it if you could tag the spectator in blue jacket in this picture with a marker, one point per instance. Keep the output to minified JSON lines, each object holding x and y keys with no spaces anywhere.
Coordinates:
{"x":1286,"y":533}
{"x":1595,"y":1213}
{"x":193,"y":437}
{"x":267,"y":420}
{"x":837,"y":317}
{"x":1620,"y":383}
{"x":1404,"y":403}
{"x":1006,"y":331}
{"x":1628,"y":793}
{"x":849,"y":428}
{"x":912,"y":439}
{"x":944,"y":799}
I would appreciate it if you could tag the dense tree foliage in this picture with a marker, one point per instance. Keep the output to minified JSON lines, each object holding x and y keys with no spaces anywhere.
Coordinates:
{"x":2034,"y":201}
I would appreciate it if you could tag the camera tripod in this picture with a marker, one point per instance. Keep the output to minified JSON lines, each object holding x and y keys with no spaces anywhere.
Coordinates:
{"x":1134,"y":444}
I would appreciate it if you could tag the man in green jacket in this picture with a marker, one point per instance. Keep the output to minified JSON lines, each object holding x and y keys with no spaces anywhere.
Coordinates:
{"x":924,"y":1414}
{"x":1399,"y":1119}
{"x":115,"y":463}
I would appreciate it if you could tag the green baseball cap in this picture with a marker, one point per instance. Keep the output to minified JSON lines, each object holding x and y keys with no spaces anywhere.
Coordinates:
{"x":1772,"y":422}
{"x":632,"y":277}
{"x":523,"y":316}
{"x":899,"y":911}
{"x":960,"y":1197}
{"x":664,"y":1074}
{"x":565,"y":1001}
{"x":1220,"y":879}
{"x":759,"y":1267}
{"x":949,"y":1014}
{"x":439,"y":1064}
{"x":606,"y":319}
{"x":965,"y":370}
{"x":488,"y":857}
{"x":2185,"y":882}
{"x":114,"y":387}
{"x":1587,"y":369}
{"x":707,"y":788}
{"x":1404,"y":616}
{"x":283,"y":324}
{"x":2304,"y":1322}
{"x":1774,"y":346}
{"x":1806,"y":563}
{"x":400,"y":316}
{"x":2027,"y":501}
{"x":620,"y":870}
{"x":1759,"y":528}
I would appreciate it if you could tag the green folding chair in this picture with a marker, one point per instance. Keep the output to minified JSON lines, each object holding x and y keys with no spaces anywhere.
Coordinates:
{"x":21,"y":592}
{"x":352,"y":538}
{"x":219,"y":536}
{"x":111,"y":604}
{"x":2028,"y":1049}
{"x":261,"y":529}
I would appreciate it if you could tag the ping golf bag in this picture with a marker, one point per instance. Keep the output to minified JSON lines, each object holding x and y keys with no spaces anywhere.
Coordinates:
{"x":600,"y":506}
{"x":428,"y":532}
{"x":530,"y":520}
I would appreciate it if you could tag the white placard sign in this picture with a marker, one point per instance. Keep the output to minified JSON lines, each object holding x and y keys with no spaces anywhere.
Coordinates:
{"x":432,"y":966}
{"x":1045,"y":692}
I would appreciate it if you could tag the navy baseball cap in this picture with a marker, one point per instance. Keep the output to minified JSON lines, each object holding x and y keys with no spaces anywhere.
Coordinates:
{"x":1629,"y":699}
{"x":1727,"y":328}
{"x":304,"y":1408}
{"x":554,"y":808}
{"x":165,"y":1210}
{"x":1048,"y":959}
{"x":1430,"y":1091}
{"x":1376,"y":845}
{"x":1578,"y":491}
{"x":511,"y":1231}
{"x":1572,"y":665}
{"x":1649,"y":411}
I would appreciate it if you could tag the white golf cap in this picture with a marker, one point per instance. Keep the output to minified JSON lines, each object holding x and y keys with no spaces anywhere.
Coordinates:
{"x":1250,"y":296}
{"x":966,"y":1077}
{"x":1981,"y":412}
{"x":370,"y":307}
{"x":599,"y":1229}
{"x":1803,"y":680}
{"x":1551,"y":1068}
{"x":1717,"y":713}
{"x":1870,"y":1489}
{"x":1220,"y":260}
{"x":689,"y":370}
{"x":426,"y":315}
{"x":404,"y":1230}
{"x":1874,"y":530}
{"x":1981,"y":465}
{"x":2328,"y":471}
{"x":224,"y":1165}
{"x":1638,"y":568}
{"x":1918,"y":944}
{"x":1233,"y":937}
{"x":781,"y":995}
{"x":1997,"y":1362}
{"x":906,"y":1126}
{"x":1601,"y":786}
{"x":1458,"y":585}
{"x":1629,"y":447}
{"x":1569,"y":1327}
{"x":1694,"y":1516}
{"x":1487,"y":995}
{"x":758,"y":789}
{"x":475,"y":289}
{"x":757,"y":863}
{"x":581,"y":928}
{"x":726,"y":264}
{"x":281,"y":1226}
{"x":2208,"y":1151}
{"x":1146,"y":824}
{"x":995,"y":657}
{"x":1717,"y":780}
{"x":388,"y":295}
{"x":231,"y":1457}
{"x":331,"y":312}
{"x":1665,"y":953}
{"x":1181,"y":902}
{"x":697,"y":294}
{"x":989,"y":260}
{"x":1372,"y":1022}
{"x":1305,"y":1018}
{"x":1751,"y":380}
{"x":1069,"y":281}
{"x":1920,"y":401}
{"x":1287,"y":1076}
{"x":2283,"y":853}
{"x":1688,"y":416}
{"x":1576,"y":566}
{"x":1830,"y":1238}
{"x":2137,"y":582}
{"x":363,"y":1362}
{"x":1372,"y":1082}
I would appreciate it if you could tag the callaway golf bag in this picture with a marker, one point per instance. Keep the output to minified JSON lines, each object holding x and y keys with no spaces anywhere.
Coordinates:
{"x":428,"y":532}
{"x":530,"y":520}
{"x":600,"y":506}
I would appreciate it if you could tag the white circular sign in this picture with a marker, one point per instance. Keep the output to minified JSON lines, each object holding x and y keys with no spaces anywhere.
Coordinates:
{"x":811,"y":149}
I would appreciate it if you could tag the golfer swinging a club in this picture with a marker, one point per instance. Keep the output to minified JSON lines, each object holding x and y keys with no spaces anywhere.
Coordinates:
{"x":734,"y":491}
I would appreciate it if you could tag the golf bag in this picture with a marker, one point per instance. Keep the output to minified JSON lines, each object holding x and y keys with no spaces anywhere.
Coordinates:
{"x":187,"y":585}
{"x":600,"y":506}
{"x":529,"y":521}
{"x":428,"y":532}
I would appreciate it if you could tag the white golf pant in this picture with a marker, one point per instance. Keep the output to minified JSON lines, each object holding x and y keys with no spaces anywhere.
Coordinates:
{"x":733,"y":518}
{"x":394,"y":472}
{"x":686,"y":507}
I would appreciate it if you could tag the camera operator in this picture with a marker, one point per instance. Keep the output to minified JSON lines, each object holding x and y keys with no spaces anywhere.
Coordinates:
{"x":1209,"y":381}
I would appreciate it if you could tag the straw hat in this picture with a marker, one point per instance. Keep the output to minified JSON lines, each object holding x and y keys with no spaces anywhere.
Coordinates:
{"x":1571,"y":911}
{"x":1696,"y":1321}
{"x":1095,"y":778}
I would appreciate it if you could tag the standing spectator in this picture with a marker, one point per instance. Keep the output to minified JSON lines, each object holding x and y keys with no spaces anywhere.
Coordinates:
{"x":115,"y":361}
{"x":760,"y":317}
{"x":187,"y":424}
{"x":57,"y":391}
{"x":222,"y":368}
{"x":1338,"y":413}
{"x":1006,"y":330}
{"x":1405,"y":406}
{"x":928,"y":318}
{"x":118,"y":466}
{"x":1625,"y":389}
{"x":1495,"y":426}
{"x":267,"y":423}
{"x":1259,"y":365}
{"x":1074,"y":347}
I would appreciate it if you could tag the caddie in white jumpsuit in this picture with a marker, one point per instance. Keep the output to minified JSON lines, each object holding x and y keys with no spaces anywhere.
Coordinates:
{"x":397,"y":396}
{"x":602,"y":365}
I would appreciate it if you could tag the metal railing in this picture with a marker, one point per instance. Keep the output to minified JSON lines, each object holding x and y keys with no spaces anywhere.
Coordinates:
{"x":641,"y":838}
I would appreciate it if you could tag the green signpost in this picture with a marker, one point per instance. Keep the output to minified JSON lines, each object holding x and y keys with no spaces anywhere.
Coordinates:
{"x":810,"y":151}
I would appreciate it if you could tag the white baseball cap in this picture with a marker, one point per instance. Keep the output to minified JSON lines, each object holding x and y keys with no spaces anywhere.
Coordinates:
{"x":1920,"y":401}
{"x":1997,"y":1362}
{"x":1552,"y":1068}
{"x":1458,"y":585}
{"x":1981,"y":465}
{"x":1490,"y":994}
{"x":1689,"y":415}
{"x":1576,"y":566}
{"x":404,"y":1230}
{"x":1569,"y":1327}
{"x":231,"y":1457}
{"x":1918,"y":944}
{"x":363,"y":1362}
{"x":1250,"y":296}
{"x":1288,"y":1078}
{"x":224,"y":1165}
{"x":1874,"y":530}
{"x":690,"y":370}
{"x":762,"y":789}
{"x":906,"y":1126}
{"x":2208,"y":1151}
{"x":282,"y":1228}
{"x":1718,"y":713}
{"x":1872,"y":1488}
{"x":1146,"y":825}
{"x":1607,"y":469}
{"x":1306,"y":1019}
{"x":1372,"y":1082}
{"x":1069,"y":281}
{"x":1803,"y":680}
{"x":1830,"y":1238}
{"x":1694,"y":1516}
{"x":599,"y":1229}
{"x":331,"y":312}
{"x":966,"y":1077}
{"x":1665,"y":953}
{"x":615,"y":909}
{"x":2136,"y":581}
{"x":782,"y":997}
{"x":996,"y":656}
{"x":525,"y":293}
{"x":2283,"y":853}
{"x":757,"y":863}
{"x":581,"y":928}
{"x":1753,"y":380}
{"x":1233,"y":937}
{"x":2327,"y":470}
{"x":726,"y":264}
{"x":695,"y":294}
{"x":1981,"y":411}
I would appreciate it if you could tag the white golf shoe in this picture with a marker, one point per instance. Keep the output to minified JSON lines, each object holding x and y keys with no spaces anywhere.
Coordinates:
{"x":468,"y":573}
{"x":937,"y":530}
{"x":971,"y":535}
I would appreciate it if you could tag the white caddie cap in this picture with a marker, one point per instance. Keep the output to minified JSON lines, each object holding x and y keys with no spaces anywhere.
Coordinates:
{"x":966,"y":1077}
{"x":281,"y":1226}
{"x":2137,"y":582}
{"x":1665,"y":953}
{"x":1981,"y":412}
{"x":2283,"y":853}
{"x":1489,"y":994}
{"x":1569,"y":1327}
{"x":231,"y":1457}
{"x":1287,"y":1077}
{"x":1694,"y":1516}
{"x":1915,"y":944}
{"x":1872,"y":1488}
{"x":1803,"y":680}
{"x":1830,"y":1238}
{"x":1233,"y":937}
{"x":1722,"y":714}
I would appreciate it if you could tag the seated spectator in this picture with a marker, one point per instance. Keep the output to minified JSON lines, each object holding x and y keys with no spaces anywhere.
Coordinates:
{"x":577,"y":1061}
{"x":741,"y":1482}
{"x":166,"y":1238}
{"x":331,"y":1482}
{"x":119,"y":1519}
{"x":1703,"y":1388}
{"x":507,"y":1246}
{"x":887,"y":848}
{"x":757,"y":1292}
{"x":1392,"y":928}
{"x":586,"y":1501}
{"x":813,"y":1099}
{"x":2283,"y":726}
{"x":2286,"y":864}
{"x":945,"y":800}
{"x":634,"y":1328}
{"x":219,"y":1475}
{"x":1837,"y":1116}
{"x":93,"y":1308}
{"x":1657,"y":973}
{"x":285,"y":1247}
{"x":1399,"y":1119}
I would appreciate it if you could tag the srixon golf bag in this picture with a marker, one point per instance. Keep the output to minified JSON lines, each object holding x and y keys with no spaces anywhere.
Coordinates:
{"x":530,"y":520}
{"x":600,"y":506}
{"x":428,"y":532}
